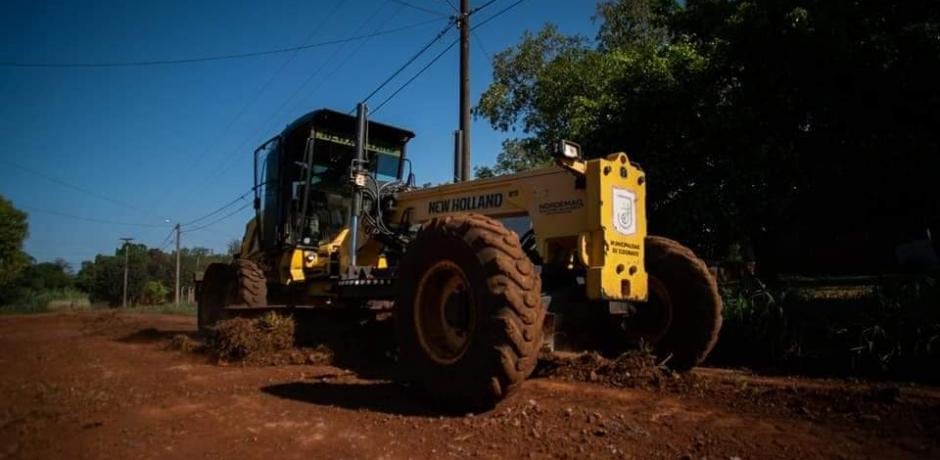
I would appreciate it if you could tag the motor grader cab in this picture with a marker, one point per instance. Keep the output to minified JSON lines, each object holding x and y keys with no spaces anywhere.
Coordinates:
{"x":304,"y":201}
{"x":338,"y":225}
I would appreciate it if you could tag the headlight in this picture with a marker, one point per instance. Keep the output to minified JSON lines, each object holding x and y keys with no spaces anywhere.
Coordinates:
{"x":568,"y":149}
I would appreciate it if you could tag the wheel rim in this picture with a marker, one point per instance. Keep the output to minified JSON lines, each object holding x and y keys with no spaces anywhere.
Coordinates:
{"x":444,"y":314}
{"x":651,"y":320}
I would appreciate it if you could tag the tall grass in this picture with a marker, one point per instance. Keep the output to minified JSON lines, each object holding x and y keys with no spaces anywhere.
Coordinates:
{"x":45,"y":301}
{"x":890,"y":330}
{"x":69,"y":299}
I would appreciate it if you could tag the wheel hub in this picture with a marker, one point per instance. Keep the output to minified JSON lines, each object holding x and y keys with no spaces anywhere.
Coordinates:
{"x":444,"y":314}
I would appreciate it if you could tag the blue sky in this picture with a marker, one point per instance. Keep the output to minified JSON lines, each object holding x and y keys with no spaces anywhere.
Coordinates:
{"x":141,"y":145}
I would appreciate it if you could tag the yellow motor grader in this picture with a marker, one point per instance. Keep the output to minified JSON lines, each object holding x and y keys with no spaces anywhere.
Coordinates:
{"x":339,"y":224}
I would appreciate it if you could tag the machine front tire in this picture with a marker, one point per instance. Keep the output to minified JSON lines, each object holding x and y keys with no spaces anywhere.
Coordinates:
{"x":252,"y":288}
{"x":468,"y":312}
{"x":214,"y":295}
{"x":694,"y":299}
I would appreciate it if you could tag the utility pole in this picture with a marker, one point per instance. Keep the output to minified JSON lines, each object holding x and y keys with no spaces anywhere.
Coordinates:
{"x":177,"y":291}
{"x":458,"y":156}
{"x":463,"y":23}
{"x":127,"y":242}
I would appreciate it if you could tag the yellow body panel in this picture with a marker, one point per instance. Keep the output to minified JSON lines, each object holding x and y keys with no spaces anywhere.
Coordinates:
{"x":598,"y":214}
{"x":587,"y":212}
{"x":296,"y":266}
{"x":616,"y":239}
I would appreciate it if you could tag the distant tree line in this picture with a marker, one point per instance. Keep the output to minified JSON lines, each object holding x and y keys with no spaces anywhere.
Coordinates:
{"x":151,"y":272}
{"x":792,"y":131}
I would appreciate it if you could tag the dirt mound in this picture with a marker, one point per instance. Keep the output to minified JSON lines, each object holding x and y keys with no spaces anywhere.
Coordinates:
{"x":244,"y":339}
{"x":268,"y":340}
{"x":186,"y":344}
{"x":633,"y":369}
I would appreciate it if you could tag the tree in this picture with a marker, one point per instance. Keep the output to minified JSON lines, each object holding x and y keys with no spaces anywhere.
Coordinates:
{"x":46,"y":276}
{"x":154,"y":293}
{"x":621,"y":94}
{"x":13,"y":231}
{"x":103,"y":278}
{"x":783,"y":124}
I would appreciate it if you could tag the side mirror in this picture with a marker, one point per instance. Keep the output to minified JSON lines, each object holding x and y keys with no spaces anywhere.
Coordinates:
{"x":567,"y":150}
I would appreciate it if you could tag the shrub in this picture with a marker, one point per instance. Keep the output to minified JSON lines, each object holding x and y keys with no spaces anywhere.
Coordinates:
{"x":891,"y":329}
{"x":154,"y":293}
{"x":29,"y":301}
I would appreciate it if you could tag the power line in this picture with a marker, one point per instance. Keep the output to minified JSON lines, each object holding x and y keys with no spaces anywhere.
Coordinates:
{"x":348,"y":57}
{"x":442,"y":53}
{"x":167,"y":239}
{"x":479,"y":42}
{"x":420,"y":8}
{"x":452,"y":5}
{"x":226,"y":206}
{"x":415,"y":76}
{"x":226,"y":163}
{"x":340,"y":65}
{"x":379,"y":88}
{"x":410,"y":60}
{"x":261,"y":91}
{"x":86,"y":191}
{"x":497,"y":14}
{"x":482,"y":6}
{"x":316,"y":30}
{"x":222,"y":57}
{"x":218,"y":220}
{"x":91,"y":219}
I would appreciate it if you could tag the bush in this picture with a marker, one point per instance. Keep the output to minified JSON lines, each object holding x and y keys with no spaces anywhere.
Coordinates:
{"x":890,"y":329}
{"x":154,"y":293}
{"x":28,"y":301}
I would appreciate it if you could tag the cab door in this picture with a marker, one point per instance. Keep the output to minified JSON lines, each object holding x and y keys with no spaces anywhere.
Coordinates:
{"x":268,"y":193}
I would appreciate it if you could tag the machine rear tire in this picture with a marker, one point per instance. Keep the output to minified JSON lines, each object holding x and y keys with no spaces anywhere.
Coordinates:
{"x":695,"y":300}
{"x":214,"y":295}
{"x":252,"y":288}
{"x":468,"y":312}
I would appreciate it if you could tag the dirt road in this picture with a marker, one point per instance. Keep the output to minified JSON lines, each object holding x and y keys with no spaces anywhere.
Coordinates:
{"x":96,"y":385}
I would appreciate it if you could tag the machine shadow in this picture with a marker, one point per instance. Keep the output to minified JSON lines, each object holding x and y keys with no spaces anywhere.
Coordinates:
{"x":384,"y":397}
{"x":361,"y":344}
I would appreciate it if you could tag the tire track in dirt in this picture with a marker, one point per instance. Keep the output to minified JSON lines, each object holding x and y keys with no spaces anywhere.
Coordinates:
{"x":98,"y":385}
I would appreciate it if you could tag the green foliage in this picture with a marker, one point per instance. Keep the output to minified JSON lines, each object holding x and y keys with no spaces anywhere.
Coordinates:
{"x":26,"y":286}
{"x":891,"y":330}
{"x":27,"y":301}
{"x":42,"y":287}
{"x":13,"y":230}
{"x":103,"y":278}
{"x":517,"y":155}
{"x":155,"y":293}
{"x":47,"y":276}
{"x":758,"y":121}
